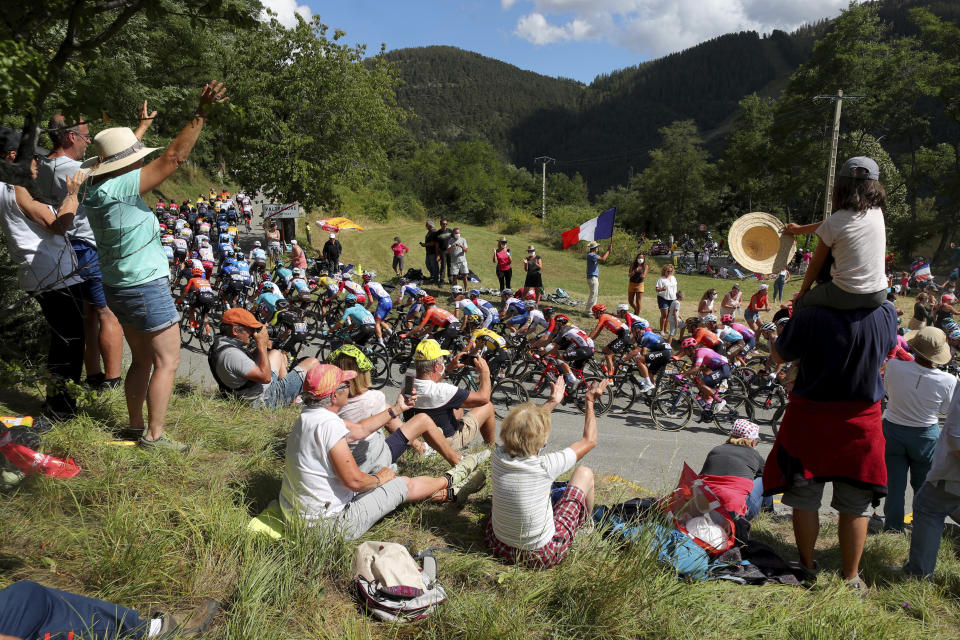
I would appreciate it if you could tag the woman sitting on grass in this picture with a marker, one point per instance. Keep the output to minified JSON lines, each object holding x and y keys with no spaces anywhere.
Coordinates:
{"x":524,"y":527}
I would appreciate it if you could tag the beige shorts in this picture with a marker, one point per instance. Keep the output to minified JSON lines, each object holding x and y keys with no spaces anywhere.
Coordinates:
{"x":635,"y":287}
{"x":468,"y":432}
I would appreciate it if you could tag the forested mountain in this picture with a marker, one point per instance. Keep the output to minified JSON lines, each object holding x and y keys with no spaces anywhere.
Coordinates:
{"x":604,"y":131}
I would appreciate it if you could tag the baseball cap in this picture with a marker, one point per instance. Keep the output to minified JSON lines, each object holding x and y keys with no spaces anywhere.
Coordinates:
{"x":324,"y":379}
{"x":429,"y":349}
{"x":333,"y":235}
{"x":241,"y":317}
{"x":745,"y":429}
{"x":9,"y":140}
{"x":860,"y":167}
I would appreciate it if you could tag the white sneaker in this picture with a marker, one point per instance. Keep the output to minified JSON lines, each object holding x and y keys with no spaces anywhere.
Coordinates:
{"x":718,"y":407}
{"x":429,"y":451}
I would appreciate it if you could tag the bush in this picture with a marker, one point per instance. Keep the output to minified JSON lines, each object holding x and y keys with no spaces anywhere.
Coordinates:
{"x":518,"y":221}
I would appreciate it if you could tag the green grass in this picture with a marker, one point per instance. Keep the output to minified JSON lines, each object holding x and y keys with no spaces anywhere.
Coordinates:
{"x":163,"y":531}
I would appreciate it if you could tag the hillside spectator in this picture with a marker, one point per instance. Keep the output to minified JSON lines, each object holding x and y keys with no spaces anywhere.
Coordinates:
{"x":503,"y":259}
{"x":331,"y":253}
{"x":321,"y":480}
{"x":431,"y":259}
{"x":779,"y":283}
{"x":916,"y":392}
{"x":805,"y":262}
{"x":445,"y":403}
{"x":832,"y":429}
{"x":261,"y":378}
{"x":636,"y":275}
{"x":922,"y":314}
{"x":758,"y":303}
{"x":705,"y":306}
{"x":444,"y":238}
{"x":102,"y":334}
{"x":593,"y":273}
{"x":731,"y":301}
{"x":943,"y":311}
{"x":29,"y":610}
{"x":46,"y":269}
{"x":457,"y":250}
{"x":274,"y":250}
{"x":133,"y":264}
{"x":674,"y":319}
{"x":524,"y":527}
{"x":533,"y":265}
{"x":938,"y":498}
{"x":666,"y":293}
{"x":734,"y":471}
{"x":298,"y":257}
{"x":399,"y":251}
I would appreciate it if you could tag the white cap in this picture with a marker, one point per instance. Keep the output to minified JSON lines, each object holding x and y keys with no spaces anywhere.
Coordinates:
{"x":293,"y":242}
{"x":333,"y":235}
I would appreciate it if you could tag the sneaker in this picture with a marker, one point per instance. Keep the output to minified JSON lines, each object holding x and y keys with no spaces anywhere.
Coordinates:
{"x":129,"y":433}
{"x":473,"y":483}
{"x":163,"y":442}
{"x":95,"y":381}
{"x":718,"y":407}
{"x":467,"y":465}
{"x":188,"y":626}
{"x":859,"y":586}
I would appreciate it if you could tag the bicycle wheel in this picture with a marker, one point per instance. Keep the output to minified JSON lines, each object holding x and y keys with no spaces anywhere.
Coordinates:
{"x":768,"y":406}
{"x":672,"y":368}
{"x":536,"y":384}
{"x":380,"y":359}
{"x":736,"y":392}
{"x":206,"y":336}
{"x":625,"y":393}
{"x":186,"y":331}
{"x":737,"y":407}
{"x":603,"y":403}
{"x":506,"y":394}
{"x":671,"y":409}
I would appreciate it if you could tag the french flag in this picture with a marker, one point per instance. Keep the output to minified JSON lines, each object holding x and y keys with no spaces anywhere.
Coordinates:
{"x":922,"y":272}
{"x":595,"y":229}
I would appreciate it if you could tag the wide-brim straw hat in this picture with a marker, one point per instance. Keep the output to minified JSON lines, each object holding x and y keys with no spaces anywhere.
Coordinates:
{"x":929,"y":343}
{"x":116,"y":148}
{"x":758,"y":243}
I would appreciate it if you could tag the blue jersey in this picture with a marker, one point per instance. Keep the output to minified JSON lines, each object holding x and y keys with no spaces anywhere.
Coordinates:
{"x":226,"y":249}
{"x":357,"y":315}
{"x":411,"y":291}
{"x":269,"y":300}
{"x":258,"y":255}
{"x":653,"y":342}
{"x":487,"y":309}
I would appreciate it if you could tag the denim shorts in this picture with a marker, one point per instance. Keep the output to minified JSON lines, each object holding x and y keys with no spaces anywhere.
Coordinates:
{"x":88,"y":265}
{"x":146,"y":307}
{"x":663,"y":303}
{"x":750,"y":315}
{"x":283,"y":391}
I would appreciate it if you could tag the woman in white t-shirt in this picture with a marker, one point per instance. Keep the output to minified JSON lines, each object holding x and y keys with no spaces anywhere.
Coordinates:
{"x":917,"y":391}
{"x":524,"y":526}
{"x":705,"y":308}
{"x":731,"y":301}
{"x":666,"y":293}
{"x":855,"y":237}
{"x":371,"y":449}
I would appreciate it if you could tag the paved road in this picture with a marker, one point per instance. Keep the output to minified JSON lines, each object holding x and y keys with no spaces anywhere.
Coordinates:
{"x":629,"y":447}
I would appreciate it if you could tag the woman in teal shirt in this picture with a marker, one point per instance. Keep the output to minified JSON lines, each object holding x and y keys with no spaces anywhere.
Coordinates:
{"x":134,"y":266}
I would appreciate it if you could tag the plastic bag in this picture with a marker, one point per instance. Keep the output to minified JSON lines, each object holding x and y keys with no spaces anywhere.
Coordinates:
{"x":693,"y":498}
{"x":29,"y":461}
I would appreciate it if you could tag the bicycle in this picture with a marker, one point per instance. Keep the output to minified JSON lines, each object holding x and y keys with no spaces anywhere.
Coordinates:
{"x":505,"y":394}
{"x":191,"y":328}
{"x":674,"y":405}
{"x":538,"y":385}
{"x":769,"y":400}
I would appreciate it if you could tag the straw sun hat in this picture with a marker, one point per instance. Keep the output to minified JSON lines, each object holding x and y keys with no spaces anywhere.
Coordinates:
{"x":757,"y":242}
{"x":116,"y":148}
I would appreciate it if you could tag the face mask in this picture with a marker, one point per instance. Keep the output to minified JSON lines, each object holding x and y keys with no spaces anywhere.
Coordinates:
{"x":639,"y":260}
{"x":533,"y":253}
{"x":457,"y":236}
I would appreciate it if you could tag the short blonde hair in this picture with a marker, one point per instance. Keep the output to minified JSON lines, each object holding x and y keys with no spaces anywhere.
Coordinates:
{"x":743,"y":442}
{"x":360,"y":384}
{"x":525,"y":430}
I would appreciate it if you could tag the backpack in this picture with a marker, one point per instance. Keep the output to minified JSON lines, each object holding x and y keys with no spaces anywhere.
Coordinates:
{"x":414,"y":275}
{"x":390,"y":584}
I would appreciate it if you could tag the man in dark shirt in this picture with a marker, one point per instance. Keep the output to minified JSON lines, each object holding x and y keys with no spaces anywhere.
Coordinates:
{"x":832,"y":428}
{"x":430,"y":247}
{"x":331,"y":253}
{"x":444,"y":240}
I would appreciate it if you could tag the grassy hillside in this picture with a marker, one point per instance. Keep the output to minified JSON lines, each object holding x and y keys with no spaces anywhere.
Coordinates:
{"x":161,"y":532}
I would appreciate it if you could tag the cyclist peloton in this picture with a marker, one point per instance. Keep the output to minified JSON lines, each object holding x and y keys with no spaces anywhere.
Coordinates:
{"x":651,"y":354}
{"x":360,"y":321}
{"x":484,"y":343}
{"x":490,"y":314}
{"x":573,"y":346}
{"x":716,"y":366}
{"x":376,"y":293}
{"x":444,"y":326}
{"x":620,"y":344}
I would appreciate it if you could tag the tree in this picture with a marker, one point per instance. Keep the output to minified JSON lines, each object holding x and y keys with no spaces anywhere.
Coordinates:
{"x":309,"y":112}
{"x":745,"y":167}
{"x":673,"y":187}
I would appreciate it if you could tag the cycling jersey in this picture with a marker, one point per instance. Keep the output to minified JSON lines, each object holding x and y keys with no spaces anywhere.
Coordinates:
{"x":467,"y":307}
{"x":168,"y":251}
{"x":205,"y":228}
{"x":520,"y":319}
{"x":233,"y":231}
{"x":283,"y":275}
{"x":488,"y":339}
{"x":179,"y":245}
{"x":243,"y":265}
{"x":376,"y":291}
{"x":194,"y":263}
{"x":652,"y":342}
{"x":440,"y":318}
{"x":516,"y":306}
{"x":166,"y":239}
{"x":743,"y":330}
{"x":511,"y":302}
{"x":300,"y":286}
{"x":573,"y":336}
{"x":200,"y":238}
{"x":206,"y":253}
{"x":198,"y":285}
{"x":226,"y":249}
{"x":537,"y":319}
{"x":409,"y":291}
{"x":258,"y":256}
{"x":357,"y":315}
{"x":269,"y":300}
{"x":710,"y":359}
{"x":728,"y":334}
{"x":607,"y":321}
{"x":179,"y":224}
{"x":629,"y":319}
{"x":706,"y":337}
{"x":352,"y":287}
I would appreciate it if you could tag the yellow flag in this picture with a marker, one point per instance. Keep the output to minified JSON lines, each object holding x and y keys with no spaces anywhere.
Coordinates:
{"x":106,"y":118}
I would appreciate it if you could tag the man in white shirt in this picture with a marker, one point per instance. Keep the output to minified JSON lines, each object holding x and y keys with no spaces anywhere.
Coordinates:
{"x":458,"y":258}
{"x":321,"y":481}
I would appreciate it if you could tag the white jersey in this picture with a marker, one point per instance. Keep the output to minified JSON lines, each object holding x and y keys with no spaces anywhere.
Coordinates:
{"x":509,"y":301}
{"x":577,"y":337}
{"x":352,"y":287}
{"x":376,"y":290}
{"x":206,"y":253}
{"x":180,"y":244}
{"x":537,"y":319}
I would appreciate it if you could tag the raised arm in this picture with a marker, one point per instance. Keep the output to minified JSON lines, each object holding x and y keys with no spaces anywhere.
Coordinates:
{"x":589,"y":440}
{"x":41,"y":214}
{"x":179,"y":150}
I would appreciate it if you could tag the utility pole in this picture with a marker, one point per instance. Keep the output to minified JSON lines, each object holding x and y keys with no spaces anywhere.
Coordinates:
{"x":544,"y":160}
{"x":832,"y":163}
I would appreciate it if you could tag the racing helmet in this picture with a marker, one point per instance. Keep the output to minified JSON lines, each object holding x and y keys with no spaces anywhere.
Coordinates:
{"x":726,"y":318}
{"x":598,"y":308}
{"x":350,"y":299}
{"x":530,"y":304}
{"x":257,"y":243}
{"x":710,"y":317}
{"x":299,"y":272}
{"x":197,"y":272}
{"x":282,"y":304}
{"x":361,"y":299}
{"x":768,"y":326}
{"x":366,"y":277}
{"x":506,"y":292}
{"x":623,"y":307}
{"x":474,"y":293}
{"x":954,"y":335}
{"x":693,"y":321}
{"x":640,"y":325}
{"x":428,"y":300}
{"x":456,"y":290}
{"x":561,"y":318}
{"x":783,"y":321}
{"x":688,"y":343}
{"x":547,"y":312}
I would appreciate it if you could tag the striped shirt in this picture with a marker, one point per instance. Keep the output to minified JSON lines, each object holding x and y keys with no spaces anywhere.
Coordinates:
{"x":522,"y":513}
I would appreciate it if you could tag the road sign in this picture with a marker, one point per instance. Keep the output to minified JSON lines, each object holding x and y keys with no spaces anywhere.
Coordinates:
{"x":274,"y":211}
{"x":702,"y":227}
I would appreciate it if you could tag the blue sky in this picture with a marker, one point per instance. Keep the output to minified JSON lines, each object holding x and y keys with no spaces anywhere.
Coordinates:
{"x":572,"y":38}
